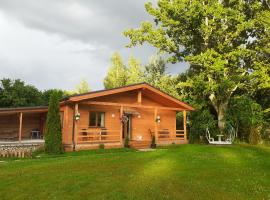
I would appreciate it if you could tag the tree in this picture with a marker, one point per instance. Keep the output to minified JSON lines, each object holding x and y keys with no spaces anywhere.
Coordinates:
{"x":46,"y":94}
{"x":154,"y":70}
{"x":15,"y":93}
{"x":116,"y":76}
{"x":220,"y":39}
{"x":155,"y":74}
{"x":82,"y":87}
{"x":134,"y":71}
{"x":53,"y":133}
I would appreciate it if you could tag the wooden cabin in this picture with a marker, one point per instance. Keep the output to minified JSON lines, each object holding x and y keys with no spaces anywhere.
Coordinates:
{"x":108,"y":117}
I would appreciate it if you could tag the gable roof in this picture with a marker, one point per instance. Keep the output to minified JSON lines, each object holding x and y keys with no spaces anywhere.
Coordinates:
{"x":138,"y":86}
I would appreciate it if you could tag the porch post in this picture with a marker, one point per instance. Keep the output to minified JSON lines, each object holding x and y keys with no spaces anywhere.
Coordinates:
{"x":20,"y":127}
{"x":185,"y":124}
{"x":156,"y":128}
{"x":139,"y":99}
{"x":76,"y":125}
{"x":121,"y":126}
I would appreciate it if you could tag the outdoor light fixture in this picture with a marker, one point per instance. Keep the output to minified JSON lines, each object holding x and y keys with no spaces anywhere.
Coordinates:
{"x":113,"y":115}
{"x":77,"y":116}
{"x":158,"y":119}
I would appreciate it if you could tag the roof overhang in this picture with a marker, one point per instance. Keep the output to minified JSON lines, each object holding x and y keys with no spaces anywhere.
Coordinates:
{"x":36,"y":109}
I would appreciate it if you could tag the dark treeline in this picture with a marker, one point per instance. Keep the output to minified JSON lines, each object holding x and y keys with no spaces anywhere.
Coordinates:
{"x":16,"y":93}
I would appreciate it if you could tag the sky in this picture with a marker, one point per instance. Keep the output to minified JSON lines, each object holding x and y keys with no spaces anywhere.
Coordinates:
{"x":57,"y":43}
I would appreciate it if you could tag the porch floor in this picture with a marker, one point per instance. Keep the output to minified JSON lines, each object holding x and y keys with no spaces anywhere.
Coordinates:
{"x":23,"y":142}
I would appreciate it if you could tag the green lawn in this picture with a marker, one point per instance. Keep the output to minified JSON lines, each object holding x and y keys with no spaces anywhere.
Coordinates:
{"x":178,"y":172}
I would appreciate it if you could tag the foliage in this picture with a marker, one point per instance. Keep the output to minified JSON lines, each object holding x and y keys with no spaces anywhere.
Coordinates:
{"x":134,"y":71}
{"x":47,"y":93}
{"x":247,"y":117}
{"x":126,"y":142}
{"x":15,"y":93}
{"x":53,"y":133}
{"x":101,"y":146}
{"x":155,"y":74}
{"x":225,"y":42}
{"x":82,"y":87}
{"x":153,"y":142}
{"x":116,"y":76}
{"x":199,"y":121}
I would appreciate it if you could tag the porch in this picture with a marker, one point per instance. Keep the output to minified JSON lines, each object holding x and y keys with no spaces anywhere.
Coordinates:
{"x":22,"y":126}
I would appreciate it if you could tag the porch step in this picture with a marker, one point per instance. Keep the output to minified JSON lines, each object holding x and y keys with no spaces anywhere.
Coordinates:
{"x":140,"y":144}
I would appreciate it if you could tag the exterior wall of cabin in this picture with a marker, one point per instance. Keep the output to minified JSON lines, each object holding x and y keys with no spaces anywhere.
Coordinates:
{"x":142,"y":123}
{"x":67,"y":126}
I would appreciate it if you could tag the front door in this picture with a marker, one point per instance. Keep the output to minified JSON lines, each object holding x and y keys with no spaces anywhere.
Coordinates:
{"x":127,"y":126}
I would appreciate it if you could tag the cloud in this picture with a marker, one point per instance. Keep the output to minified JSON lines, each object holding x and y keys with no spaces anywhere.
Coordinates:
{"x":56,"y":43}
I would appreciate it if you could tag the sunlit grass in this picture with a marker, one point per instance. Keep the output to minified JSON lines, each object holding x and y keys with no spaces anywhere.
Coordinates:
{"x":176,"y":172}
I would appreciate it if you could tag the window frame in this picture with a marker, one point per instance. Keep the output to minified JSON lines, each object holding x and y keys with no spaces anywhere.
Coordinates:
{"x":96,"y":119}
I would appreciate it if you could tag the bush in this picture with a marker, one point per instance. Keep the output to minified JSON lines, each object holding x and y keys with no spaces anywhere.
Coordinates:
{"x":53,"y":133}
{"x":153,"y":142}
{"x":199,"y":121}
{"x":126,"y":144}
{"x":247,"y":117}
{"x":101,"y":146}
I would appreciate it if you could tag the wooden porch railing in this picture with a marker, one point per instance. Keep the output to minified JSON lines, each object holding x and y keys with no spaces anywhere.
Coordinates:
{"x":165,"y":134}
{"x":98,"y":136}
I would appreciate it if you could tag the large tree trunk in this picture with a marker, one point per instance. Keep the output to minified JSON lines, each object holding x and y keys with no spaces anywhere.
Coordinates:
{"x":221,"y":110}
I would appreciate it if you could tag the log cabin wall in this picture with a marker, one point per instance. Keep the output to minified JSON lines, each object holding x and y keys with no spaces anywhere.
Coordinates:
{"x":67,"y":128}
{"x":141,"y":125}
{"x":112,"y":116}
{"x":9,"y":127}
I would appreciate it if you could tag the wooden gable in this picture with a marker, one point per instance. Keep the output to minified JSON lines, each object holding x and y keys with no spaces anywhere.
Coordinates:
{"x":142,"y":94}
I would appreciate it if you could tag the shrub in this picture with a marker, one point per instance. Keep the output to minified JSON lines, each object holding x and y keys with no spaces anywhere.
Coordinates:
{"x":199,"y":121}
{"x":101,"y":146}
{"x":153,"y":142}
{"x":126,"y":144}
{"x":53,"y":133}
{"x":247,"y":117}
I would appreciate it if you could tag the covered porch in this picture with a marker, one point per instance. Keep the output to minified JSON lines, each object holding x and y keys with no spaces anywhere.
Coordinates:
{"x":136,"y":121}
{"x":22,"y":126}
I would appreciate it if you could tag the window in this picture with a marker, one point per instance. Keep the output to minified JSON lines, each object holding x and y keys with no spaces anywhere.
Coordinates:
{"x":97,"y":119}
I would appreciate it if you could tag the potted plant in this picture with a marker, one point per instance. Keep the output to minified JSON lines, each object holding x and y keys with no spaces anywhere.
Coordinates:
{"x":153,"y":143}
{"x":126,"y":144}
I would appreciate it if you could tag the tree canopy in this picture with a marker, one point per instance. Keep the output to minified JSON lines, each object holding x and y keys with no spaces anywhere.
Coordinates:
{"x":82,"y":87}
{"x":225,"y":42}
{"x":15,"y":93}
{"x":116,"y":76}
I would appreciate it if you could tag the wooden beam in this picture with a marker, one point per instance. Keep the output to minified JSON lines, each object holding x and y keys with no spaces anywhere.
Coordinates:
{"x":76,"y":109}
{"x":121,"y":125}
{"x":20,"y":127}
{"x":156,"y":128}
{"x":185,"y":124}
{"x":139,"y":98}
{"x":129,"y":105}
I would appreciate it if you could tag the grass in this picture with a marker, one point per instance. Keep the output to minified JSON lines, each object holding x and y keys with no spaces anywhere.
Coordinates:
{"x":176,"y":172}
